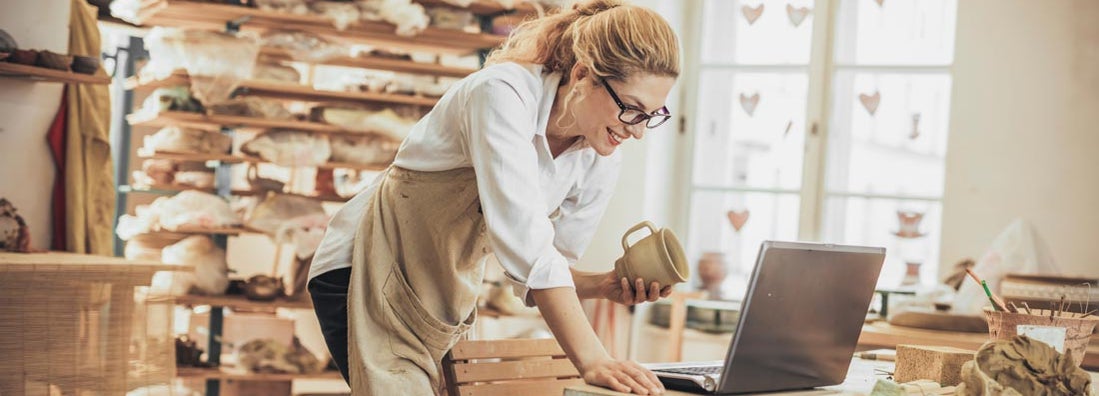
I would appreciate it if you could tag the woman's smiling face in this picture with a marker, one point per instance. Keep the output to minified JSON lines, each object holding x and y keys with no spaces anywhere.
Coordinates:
{"x":597,"y":113}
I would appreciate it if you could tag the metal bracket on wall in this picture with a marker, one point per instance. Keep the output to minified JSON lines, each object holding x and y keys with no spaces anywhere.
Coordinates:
{"x":120,"y":138}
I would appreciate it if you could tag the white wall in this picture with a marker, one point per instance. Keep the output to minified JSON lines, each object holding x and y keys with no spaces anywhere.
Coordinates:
{"x":26,"y":111}
{"x":1024,"y":132}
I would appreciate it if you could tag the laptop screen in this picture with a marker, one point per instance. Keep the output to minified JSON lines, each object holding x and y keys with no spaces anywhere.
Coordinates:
{"x":801,"y":317}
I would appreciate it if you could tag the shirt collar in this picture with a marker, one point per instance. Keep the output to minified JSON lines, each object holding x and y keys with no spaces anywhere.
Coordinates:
{"x":550,"y":83}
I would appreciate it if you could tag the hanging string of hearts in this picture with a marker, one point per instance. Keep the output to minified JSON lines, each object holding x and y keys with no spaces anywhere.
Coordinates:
{"x":737,"y":218}
{"x":915,"y":126}
{"x":751,"y":14}
{"x":870,"y":102}
{"x":797,"y":15}
{"x":749,"y":103}
{"x":909,"y":224}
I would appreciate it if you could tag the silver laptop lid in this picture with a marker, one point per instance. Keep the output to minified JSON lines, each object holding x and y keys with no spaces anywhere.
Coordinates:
{"x":801,"y":317}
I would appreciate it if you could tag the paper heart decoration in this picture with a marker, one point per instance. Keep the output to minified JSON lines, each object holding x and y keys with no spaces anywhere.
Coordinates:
{"x":738,"y":218}
{"x":870,"y":102}
{"x":909,"y":224}
{"x":749,"y":103}
{"x":880,"y":2}
{"x":797,"y":15}
{"x":751,"y":14}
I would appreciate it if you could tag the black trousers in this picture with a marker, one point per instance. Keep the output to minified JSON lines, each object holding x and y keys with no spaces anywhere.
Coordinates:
{"x":329,"y":293}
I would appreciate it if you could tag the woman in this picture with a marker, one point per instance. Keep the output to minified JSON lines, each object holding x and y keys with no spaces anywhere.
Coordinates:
{"x":518,"y":160}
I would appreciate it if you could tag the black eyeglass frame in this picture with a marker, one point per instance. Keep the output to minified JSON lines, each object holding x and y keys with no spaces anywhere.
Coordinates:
{"x":662,"y":114}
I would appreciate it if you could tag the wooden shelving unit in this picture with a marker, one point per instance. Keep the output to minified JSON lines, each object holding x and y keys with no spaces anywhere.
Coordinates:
{"x":228,"y":374}
{"x":42,"y":74}
{"x":236,"y":301}
{"x":288,"y":91}
{"x":190,"y":14}
{"x":214,"y":16}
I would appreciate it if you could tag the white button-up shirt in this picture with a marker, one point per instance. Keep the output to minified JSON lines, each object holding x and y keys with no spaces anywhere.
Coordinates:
{"x":540,"y":211}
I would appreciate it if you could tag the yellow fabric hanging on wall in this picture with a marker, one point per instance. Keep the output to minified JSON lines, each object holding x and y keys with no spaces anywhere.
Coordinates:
{"x":89,"y":190}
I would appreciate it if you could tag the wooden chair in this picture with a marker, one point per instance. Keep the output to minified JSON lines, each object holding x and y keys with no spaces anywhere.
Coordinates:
{"x":528,"y":367}
{"x":678,"y":322}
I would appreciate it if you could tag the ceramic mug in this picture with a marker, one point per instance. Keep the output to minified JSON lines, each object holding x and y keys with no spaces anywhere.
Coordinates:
{"x":658,"y":257}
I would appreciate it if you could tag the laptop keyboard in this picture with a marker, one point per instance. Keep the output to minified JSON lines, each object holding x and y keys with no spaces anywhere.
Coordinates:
{"x":693,"y":370}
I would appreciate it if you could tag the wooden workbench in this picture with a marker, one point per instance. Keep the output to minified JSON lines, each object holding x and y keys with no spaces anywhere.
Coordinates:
{"x":66,"y":320}
{"x":884,"y":335}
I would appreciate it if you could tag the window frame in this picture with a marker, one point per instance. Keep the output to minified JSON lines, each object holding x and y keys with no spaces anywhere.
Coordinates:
{"x":822,"y":71}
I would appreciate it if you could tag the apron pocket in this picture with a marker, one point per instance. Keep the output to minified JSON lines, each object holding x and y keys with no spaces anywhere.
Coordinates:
{"x":415,"y":334}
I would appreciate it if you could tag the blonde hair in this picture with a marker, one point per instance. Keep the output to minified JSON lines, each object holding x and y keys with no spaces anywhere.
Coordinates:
{"x":613,"y":39}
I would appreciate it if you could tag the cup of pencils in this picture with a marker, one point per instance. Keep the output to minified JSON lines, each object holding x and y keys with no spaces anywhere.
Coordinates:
{"x":1005,"y":321}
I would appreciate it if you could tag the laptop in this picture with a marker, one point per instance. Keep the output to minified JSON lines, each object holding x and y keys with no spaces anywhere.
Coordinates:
{"x":799,"y":322}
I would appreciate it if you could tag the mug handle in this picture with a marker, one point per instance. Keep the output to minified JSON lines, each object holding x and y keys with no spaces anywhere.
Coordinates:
{"x":643,"y":224}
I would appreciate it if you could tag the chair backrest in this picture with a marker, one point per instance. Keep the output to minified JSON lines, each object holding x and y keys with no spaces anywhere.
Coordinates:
{"x":528,"y":367}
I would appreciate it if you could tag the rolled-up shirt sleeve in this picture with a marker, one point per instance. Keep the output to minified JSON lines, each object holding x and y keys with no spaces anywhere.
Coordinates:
{"x":499,"y":129}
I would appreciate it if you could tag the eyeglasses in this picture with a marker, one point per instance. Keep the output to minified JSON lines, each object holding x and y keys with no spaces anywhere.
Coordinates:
{"x":633,"y":116}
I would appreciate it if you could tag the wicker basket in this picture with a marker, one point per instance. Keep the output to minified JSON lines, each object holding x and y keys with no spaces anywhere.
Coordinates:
{"x":1003,"y":326}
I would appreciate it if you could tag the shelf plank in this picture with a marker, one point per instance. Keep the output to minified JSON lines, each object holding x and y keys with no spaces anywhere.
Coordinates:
{"x":289,"y":91}
{"x":484,"y":7}
{"x":238,"y":301}
{"x":190,"y":14}
{"x":181,"y":118}
{"x":149,"y":83}
{"x":230,"y":374}
{"x":167,"y":189}
{"x":226,"y":158}
{"x":236,"y":159}
{"x":42,"y":74}
{"x":378,"y":63}
{"x":208,"y":230}
{"x":308,"y":94}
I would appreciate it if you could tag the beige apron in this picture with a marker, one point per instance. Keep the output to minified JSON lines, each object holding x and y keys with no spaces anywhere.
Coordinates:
{"x":415,"y":278}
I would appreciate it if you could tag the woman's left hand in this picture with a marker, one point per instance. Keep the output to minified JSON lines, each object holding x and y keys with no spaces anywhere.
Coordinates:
{"x":620,"y":291}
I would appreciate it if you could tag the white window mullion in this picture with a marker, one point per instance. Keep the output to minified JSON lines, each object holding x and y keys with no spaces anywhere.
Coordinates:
{"x":817,"y":117}
{"x":690,"y":78}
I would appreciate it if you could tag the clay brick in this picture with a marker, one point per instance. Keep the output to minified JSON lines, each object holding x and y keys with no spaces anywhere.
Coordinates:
{"x":937,"y":363}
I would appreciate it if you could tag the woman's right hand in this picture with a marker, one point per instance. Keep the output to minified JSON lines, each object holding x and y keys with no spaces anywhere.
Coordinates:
{"x":623,"y":376}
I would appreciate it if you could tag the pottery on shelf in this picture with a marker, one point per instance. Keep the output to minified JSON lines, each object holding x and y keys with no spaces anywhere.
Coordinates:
{"x":53,"y":60}
{"x":85,"y":64}
{"x":263,"y":288}
{"x":7,"y":43}
{"x":24,"y":57}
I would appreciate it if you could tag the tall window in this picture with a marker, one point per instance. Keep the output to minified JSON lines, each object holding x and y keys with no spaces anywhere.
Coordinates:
{"x":821,"y":120}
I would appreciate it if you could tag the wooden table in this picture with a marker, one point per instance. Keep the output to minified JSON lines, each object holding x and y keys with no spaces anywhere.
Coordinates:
{"x":65,"y":320}
{"x":861,"y":378}
{"x":860,"y":381}
{"x":885,"y":335}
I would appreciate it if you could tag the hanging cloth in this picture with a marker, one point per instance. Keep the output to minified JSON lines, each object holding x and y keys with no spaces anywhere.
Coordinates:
{"x":56,"y":138}
{"x":89,"y":189}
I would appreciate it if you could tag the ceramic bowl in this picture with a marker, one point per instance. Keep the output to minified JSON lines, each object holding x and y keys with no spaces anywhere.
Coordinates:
{"x":85,"y":64}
